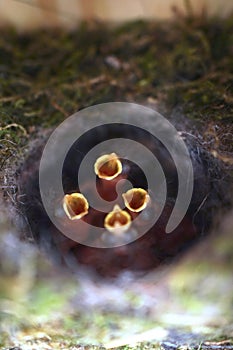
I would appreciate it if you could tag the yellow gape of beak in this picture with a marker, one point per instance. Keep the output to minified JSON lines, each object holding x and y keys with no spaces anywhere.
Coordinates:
{"x":117,"y":221}
{"x":75,"y":206}
{"x":108,"y":166}
{"x":136,"y":199}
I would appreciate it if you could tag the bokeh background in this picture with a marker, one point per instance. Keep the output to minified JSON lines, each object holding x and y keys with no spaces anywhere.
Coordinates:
{"x":27,"y":14}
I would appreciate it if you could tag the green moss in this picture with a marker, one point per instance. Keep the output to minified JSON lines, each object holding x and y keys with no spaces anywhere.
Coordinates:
{"x":46,"y":76}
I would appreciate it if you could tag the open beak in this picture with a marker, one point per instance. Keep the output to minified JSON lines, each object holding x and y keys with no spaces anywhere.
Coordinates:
{"x":117,"y":221}
{"x":75,"y":206}
{"x":108,"y":166}
{"x":136,"y":199}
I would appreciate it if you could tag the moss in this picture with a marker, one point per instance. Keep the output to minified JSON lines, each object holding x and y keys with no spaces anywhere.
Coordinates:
{"x":47,"y":75}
